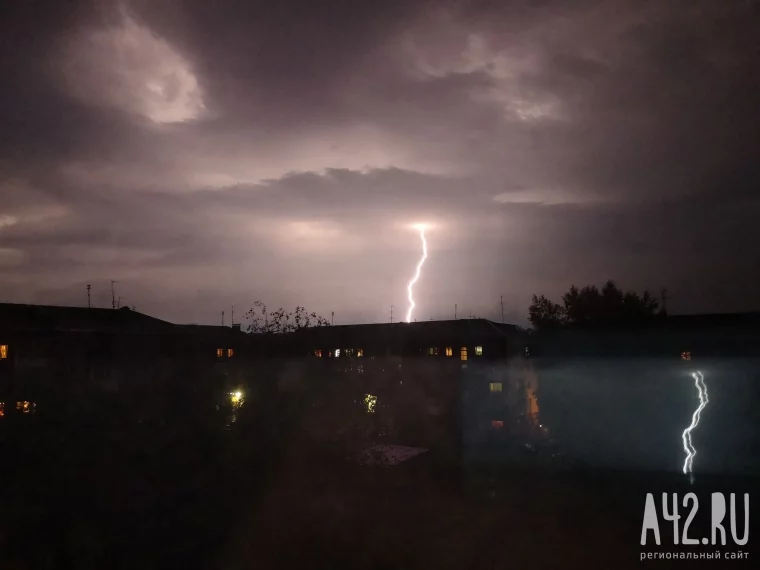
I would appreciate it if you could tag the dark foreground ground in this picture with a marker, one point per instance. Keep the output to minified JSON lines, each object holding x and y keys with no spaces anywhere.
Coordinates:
{"x":291,"y":496}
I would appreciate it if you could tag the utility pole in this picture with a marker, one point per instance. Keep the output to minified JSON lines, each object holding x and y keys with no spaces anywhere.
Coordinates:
{"x":455,"y":311}
{"x":391,"y":314}
{"x":113,"y":295}
{"x":502,"y":309}
{"x":222,"y":318}
{"x":88,"y":295}
{"x":332,"y":318}
{"x":232,"y":316}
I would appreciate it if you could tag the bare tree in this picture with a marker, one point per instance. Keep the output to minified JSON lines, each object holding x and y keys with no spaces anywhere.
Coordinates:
{"x":261,"y":321}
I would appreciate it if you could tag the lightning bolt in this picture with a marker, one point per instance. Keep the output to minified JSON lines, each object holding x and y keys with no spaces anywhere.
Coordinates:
{"x":409,"y":287}
{"x":699,"y":382}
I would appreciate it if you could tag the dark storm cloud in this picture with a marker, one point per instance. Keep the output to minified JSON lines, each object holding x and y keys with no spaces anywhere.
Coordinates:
{"x":549,"y":143}
{"x":292,"y":56}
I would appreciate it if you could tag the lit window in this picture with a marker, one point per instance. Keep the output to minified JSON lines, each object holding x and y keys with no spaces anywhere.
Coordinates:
{"x":318,"y":353}
{"x":463,"y":353}
{"x":3,"y":351}
{"x":337,"y":352}
{"x":478,"y":351}
{"x":497,"y":424}
{"x":219,"y":352}
{"x":349,"y":352}
{"x":431,"y":351}
{"x":230,"y":352}
{"x":495,"y":386}
{"x":686,"y":355}
{"x":2,"y":409}
{"x":449,"y":351}
{"x":25,"y":407}
{"x":359,"y":352}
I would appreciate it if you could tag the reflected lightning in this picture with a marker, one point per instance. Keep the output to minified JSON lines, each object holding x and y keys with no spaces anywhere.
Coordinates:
{"x":421,"y":229}
{"x":699,"y":382}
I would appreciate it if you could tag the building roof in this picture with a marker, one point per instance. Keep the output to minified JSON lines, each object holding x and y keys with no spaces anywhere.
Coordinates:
{"x":714,"y":320}
{"x":429,"y":331}
{"x":215,"y":330}
{"x":20,"y":317}
{"x":672,"y":322}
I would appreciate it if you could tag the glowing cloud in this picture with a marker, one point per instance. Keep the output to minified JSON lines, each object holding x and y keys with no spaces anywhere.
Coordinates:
{"x":699,"y":382}
{"x":129,"y":67}
{"x":420,"y":228}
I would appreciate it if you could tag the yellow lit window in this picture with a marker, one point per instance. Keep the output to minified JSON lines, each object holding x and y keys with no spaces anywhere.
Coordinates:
{"x":3,"y":351}
{"x":219,"y":352}
{"x":25,"y":407}
{"x":478,"y":351}
{"x":230,"y":352}
{"x":449,"y":351}
{"x":495,"y":386}
{"x":463,"y":353}
{"x":359,"y":352}
{"x":686,"y":355}
{"x":318,"y":353}
{"x":431,"y":351}
{"x":497,"y":424}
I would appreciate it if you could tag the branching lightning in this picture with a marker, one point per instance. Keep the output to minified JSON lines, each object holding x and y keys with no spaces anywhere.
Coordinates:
{"x":699,"y":382}
{"x":421,"y":229}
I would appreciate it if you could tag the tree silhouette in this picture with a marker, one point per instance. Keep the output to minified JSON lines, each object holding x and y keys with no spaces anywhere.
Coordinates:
{"x":590,"y":305}
{"x":281,"y":321}
{"x":545,"y":313}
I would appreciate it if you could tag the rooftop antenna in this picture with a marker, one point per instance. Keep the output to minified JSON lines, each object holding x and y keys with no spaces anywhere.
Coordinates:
{"x":455,"y":311}
{"x":391,"y":314}
{"x":113,"y":295}
{"x":118,"y":302}
{"x":502,"y":309}
{"x":332,"y":318}
{"x":222,"y":318}
{"x":88,"y":295}
{"x":232,"y":316}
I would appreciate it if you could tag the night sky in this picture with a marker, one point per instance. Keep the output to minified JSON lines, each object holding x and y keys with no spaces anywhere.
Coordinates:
{"x":205,"y":154}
